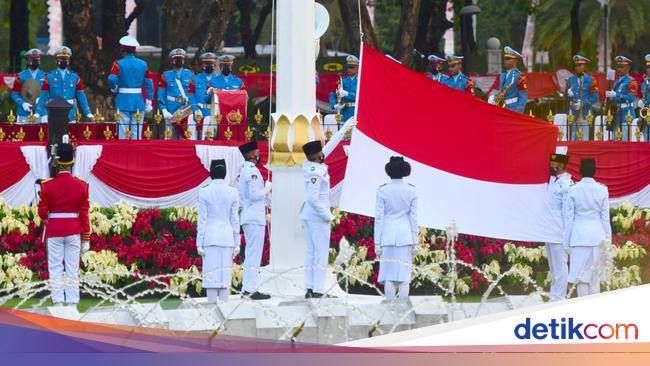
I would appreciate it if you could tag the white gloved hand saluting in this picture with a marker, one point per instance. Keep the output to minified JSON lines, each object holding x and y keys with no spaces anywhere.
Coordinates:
{"x":148,"y":107}
{"x":166,"y":114}
{"x":27,"y":107}
{"x":610,"y":94}
{"x":570,"y":93}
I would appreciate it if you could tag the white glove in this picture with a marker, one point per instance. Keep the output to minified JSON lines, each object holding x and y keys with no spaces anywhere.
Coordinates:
{"x":85,"y":246}
{"x":200,"y":251}
{"x":147,"y":106}
{"x":114,"y":90}
{"x":378,"y":251}
{"x":27,"y":107}
{"x":640,"y":103}
{"x":37,"y":116}
{"x":491,"y":99}
{"x":235,"y":251}
{"x":341,"y":93}
{"x":166,"y":114}
{"x":90,"y":116}
{"x":267,"y":187}
{"x":570,"y":93}
{"x":610,"y":94}
{"x":577,"y":104}
{"x":339,"y":106}
{"x":351,"y":122}
{"x":209,"y":91}
{"x":567,"y":250}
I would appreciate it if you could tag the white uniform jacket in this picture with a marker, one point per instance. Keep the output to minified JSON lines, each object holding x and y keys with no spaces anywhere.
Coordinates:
{"x":586,"y":211}
{"x":558,"y":188}
{"x":252,"y":195}
{"x":218,"y":222}
{"x":396,"y":220}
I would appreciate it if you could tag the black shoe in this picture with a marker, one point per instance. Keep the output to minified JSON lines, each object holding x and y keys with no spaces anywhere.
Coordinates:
{"x":309,"y":294}
{"x":317,"y":295}
{"x":259,"y":296}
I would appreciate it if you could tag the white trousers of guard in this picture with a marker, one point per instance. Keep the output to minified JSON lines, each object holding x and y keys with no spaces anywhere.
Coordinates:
{"x":557,"y":263}
{"x":317,"y":243}
{"x":63,"y":267}
{"x":254,"y":235}
{"x":127,"y":121}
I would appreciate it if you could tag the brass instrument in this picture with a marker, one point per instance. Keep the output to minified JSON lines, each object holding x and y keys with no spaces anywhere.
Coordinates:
{"x":644,"y":113}
{"x":500,"y":99}
{"x":30,"y":91}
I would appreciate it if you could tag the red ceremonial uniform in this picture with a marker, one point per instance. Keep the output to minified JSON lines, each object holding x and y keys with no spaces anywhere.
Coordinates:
{"x":65,"y":194}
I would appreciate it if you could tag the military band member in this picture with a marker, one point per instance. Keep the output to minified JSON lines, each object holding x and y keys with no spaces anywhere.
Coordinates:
{"x":623,"y":94}
{"x":512,"y":83}
{"x":253,"y":197}
{"x":645,"y":93}
{"x":226,"y":80}
{"x":217,"y":238}
{"x":345,"y":96}
{"x":582,"y":90}
{"x":64,"y":206}
{"x":587,"y":225}
{"x":457,"y":80}
{"x":127,"y":76}
{"x":203,"y":83}
{"x":556,"y":253}
{"x":33,"y":71}
{"x":64,"y":83}
{"x":436,"y":69}
{"x":396,"y":229}
{"x":175,"y":89}
{"x":315,"y":212}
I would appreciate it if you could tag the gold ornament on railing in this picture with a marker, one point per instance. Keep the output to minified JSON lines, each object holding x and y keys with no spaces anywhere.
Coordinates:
{"x":599,"y":135}
{"x":248,"y":133}
{"x":328,"y":133}
{"x":338,"y":116}
{"x":41,"y":134}
{"x":209,"y":134}
{"x":98,"y":116}
{"x":31,"y":119}
{"x":187,"y":134}
{"x":127,"y":133}
{"x":138,"y":116}
{"x":590,"y":119}
{"x":609,"y":118}
{"x":267,"y":133}
{"x":118,"y":116}
{"x":198,"y":116}
{"x":258,"y":116}
{"x":628,"y":118}
{"x":217,"y":118}
{"x":77,"y":116}
{"x":560,"y":134}
{"x":228,"y":133}
{"x":579,"y":134}
{"x":108,"y":134}
{"x":550,"y":116}
{"x":158,"y":117}
{"x":570,"y":117}
{"x":619,"y":135}
{"x":87,"y":133}
{"x":147,"y":133}
{"x":11,"y":118}
{"x":2,"y":134}
{"x":168,"y":133}
{"x":20,"y":136}
{"x":638,"y":134}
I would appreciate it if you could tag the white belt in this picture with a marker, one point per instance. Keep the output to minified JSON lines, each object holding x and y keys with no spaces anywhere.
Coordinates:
{"x":63,"y":215}
{"x":130,"y":90}
{"x":625,"y":105}
{"x":511,"y":100}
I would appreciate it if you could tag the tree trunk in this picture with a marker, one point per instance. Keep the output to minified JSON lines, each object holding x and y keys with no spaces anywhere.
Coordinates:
{"x":408,"y":22}
{"x":247,"y":38}
{"x":217,"y":25}
{"x":79,"y":33}
{"x":261,"y":19}
{"x":175,"y":29}
{"x":19,"y":32}
{"x":350,"y":18}
{"x":113,"y":28}
{"x":432,"y":25}
{"x":575,"y":27}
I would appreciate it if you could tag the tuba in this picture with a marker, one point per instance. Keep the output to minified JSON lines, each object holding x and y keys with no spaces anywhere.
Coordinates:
{"x":30,"y":91}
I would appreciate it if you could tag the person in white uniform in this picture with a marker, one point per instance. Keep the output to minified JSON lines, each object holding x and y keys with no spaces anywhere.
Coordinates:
{"x":315,"y":211}
{"x":556,"y":253}
{"x":396,"y":229}
{"x":587,"y":225}
{"x":252,"y":194}
{"x":217,"y":232}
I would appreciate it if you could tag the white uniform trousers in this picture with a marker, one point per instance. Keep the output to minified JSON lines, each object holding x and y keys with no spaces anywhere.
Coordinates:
{"x":583,"y":268}
{"x":317,"y":243}
{"x":63,"y":267}
{"x":127,"y":120}
{"x":217,"y":267}
{"x":557,"y":263}
{"x":254,"y":235}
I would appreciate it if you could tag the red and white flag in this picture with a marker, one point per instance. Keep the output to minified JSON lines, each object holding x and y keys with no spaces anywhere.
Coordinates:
{"x":483,"y":166}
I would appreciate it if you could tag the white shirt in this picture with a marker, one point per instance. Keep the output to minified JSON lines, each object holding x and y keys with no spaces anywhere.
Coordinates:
{"x":558,"y":188}
{"x":252,"y":195}
{"x":218,"y":221}
{"x":586,"y":211}
{"x":396,"y":222}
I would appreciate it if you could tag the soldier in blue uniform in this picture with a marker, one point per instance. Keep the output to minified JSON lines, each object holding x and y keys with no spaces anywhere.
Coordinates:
{"x":175,"y":88}
{"x":457,"y":80}
{"x":65,"y":83}
{"x":623,"y":95}
{"x":512,"y":83}
{"x":33,"y":71}
{"x":126,"y":79}
{"x":436,"y":69}
{"x":645,"y":92}
{"x":203,"y":83}
{"x":227,"y":80}
{"x":345,"y":97}
{"x":582,"y":91}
